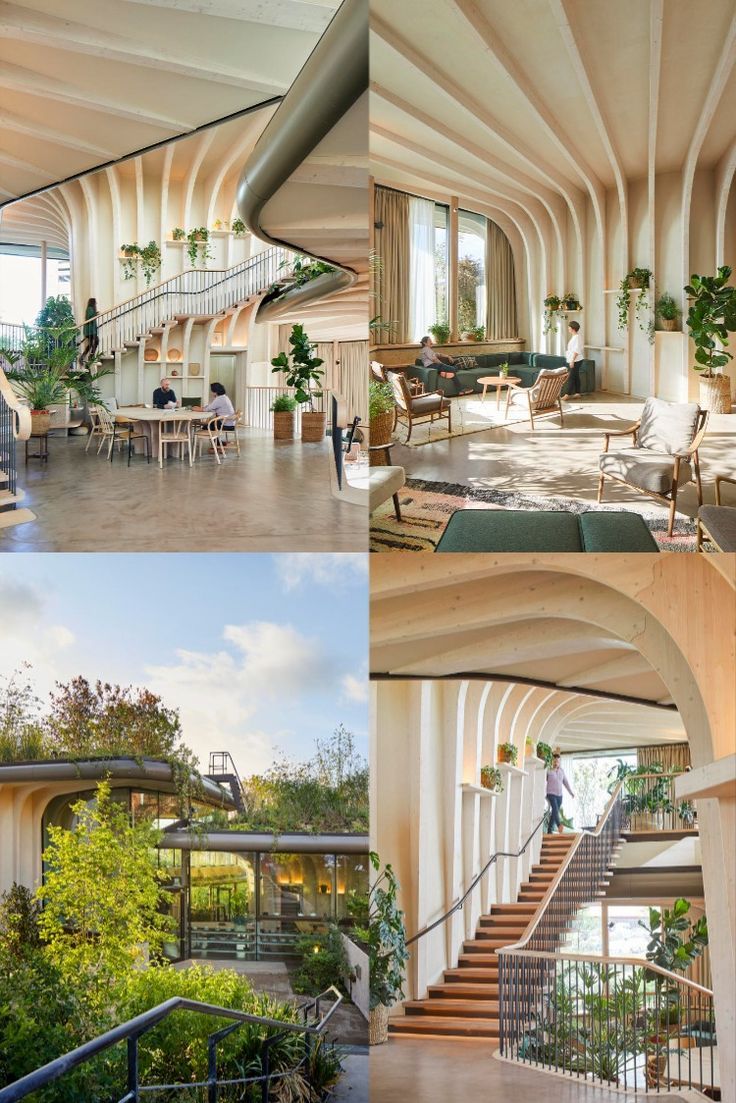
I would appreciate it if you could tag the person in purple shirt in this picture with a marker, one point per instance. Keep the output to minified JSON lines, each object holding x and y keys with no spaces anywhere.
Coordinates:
{"x":556,"y":778}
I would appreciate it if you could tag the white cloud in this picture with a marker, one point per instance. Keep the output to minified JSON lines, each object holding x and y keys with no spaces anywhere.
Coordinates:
{"x":336,"y":570}
{"x":355,"y":688}
{"x":29,"y":636}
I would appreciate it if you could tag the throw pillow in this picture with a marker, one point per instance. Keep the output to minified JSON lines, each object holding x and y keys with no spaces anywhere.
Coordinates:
{"x":466,"y":363}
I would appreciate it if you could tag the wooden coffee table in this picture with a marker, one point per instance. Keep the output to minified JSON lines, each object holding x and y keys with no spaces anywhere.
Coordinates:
{"x":497,"y":381}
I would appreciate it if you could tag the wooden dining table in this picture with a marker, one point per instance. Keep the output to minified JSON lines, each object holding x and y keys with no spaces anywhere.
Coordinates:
{"x":151,"y":419}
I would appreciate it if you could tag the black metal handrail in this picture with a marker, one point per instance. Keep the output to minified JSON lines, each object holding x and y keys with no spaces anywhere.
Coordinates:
{"x":458,"y":905}
{"x":134,"y":1029}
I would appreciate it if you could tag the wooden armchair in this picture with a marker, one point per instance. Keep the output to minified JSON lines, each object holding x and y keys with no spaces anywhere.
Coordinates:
{"x":380,"y":375}
{"x":543,"y":397}
{"x":663,"y":455}
{"x":422,"y":407}
{"x":718,"y":523}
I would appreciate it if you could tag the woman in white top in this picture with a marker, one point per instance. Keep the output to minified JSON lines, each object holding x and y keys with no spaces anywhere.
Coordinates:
{"x":573,"y":355}
{"x":221,"y":406}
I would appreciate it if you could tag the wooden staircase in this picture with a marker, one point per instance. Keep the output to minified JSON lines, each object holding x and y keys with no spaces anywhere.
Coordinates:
{"x":465,"y":1004}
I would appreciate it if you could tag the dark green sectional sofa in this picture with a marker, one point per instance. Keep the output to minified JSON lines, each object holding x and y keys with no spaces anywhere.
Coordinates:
{"x":525,"y":365}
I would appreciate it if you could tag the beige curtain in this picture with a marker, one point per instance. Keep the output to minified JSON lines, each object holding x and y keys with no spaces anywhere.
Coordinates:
{"x":671,"y":755}
{"x":352,"y":377}
{"x":501,"y":286}
{"x":326,"y":351}
{"x":391,"y":275}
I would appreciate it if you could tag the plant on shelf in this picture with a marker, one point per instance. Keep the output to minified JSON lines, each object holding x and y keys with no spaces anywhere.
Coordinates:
{"x":217,"y":224}
{"x":508,"y":753}
{"x":686,"y":812}
{"x":552,"y":307}
{"x":385,"y":939}
{"x":639,"y":280}
{"x":304,"y":373}
{"x":150,"y":256}
{"x":178,"y":234}
{"x":283,"y":409}
{"x":491,"y":778}
{"x":381,"y":412}
{"x":131,"y":255}
{"x":477,"y":333}
{"x":710,"y":319}
{"x":238,"y":227}
{"x":198,"y":246}
{"x":302,"y":271}
{"x":667,"y":311}
{"x":544,"y":751}
{"x":570,"y":301}
{"x":440,"y":332}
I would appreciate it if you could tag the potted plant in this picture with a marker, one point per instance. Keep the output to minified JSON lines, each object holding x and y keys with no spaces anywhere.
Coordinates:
{"x":638,"y":279}
{"x":303,"y":373}
{"x":544,"y":751}
{"x":667,"y":312}
{"x":503,"y":369}
{"x":177,"y":234}
{"x":710,"y":319}
{"x":130,"y":255}
{"x":198,"y":246}
{"x":508,"y":753}
{"x":283,"y":408}
{"x":491,"y":778}
{"x":570,"y":301}
{"x":385,"y":939}
{"x":440,"y":332}
{"x":381,"y":412}
{"x":41,"y":386}
{"x":150,"y":260}
{"x":529,"y":747}
{"x":238,"y":227}
{"x":217,"y":224}
{"x":552,"y":306}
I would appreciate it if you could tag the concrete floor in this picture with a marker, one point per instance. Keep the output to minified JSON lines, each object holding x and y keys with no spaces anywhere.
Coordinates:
{"x":436,"y":1070}
{"x":275,"y":497}
{"x":555,"y":462}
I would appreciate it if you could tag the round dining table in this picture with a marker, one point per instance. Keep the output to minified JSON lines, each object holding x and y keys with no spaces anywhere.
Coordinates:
{"x":150,"y":420}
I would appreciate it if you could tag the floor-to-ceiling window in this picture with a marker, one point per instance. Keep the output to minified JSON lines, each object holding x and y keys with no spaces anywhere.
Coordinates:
{"x":471,"y":271}
{"x":441,"y":262}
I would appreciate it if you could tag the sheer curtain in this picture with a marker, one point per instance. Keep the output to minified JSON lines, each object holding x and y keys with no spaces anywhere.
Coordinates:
{"x":421,"y":267}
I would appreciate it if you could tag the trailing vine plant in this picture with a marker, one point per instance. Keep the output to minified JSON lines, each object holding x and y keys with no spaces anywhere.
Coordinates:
{"x":638,"y":280}
{"x":552,"y":308}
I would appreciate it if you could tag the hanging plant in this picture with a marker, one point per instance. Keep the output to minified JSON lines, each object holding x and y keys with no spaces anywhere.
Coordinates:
{"x":198,"y":246}
{"x":491,"y":778}
{"x":131,"y":255}
{"x":640,"y":281}
{"x":552,"y":307}
{"x":150,"y":257}
{"x":178,"y":234}
{"x":238,"y":227}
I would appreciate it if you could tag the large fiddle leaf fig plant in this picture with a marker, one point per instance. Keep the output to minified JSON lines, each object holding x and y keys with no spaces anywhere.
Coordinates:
{"x":303,"y":370}
{"x":710,"y":319}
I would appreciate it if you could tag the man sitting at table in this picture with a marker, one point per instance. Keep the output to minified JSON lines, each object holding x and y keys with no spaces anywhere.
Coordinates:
{"x":164,"y":395}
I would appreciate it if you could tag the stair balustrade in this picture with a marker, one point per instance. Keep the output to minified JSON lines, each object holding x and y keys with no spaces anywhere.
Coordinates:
{"x":651,"y":804}
{"x":15,"y":425}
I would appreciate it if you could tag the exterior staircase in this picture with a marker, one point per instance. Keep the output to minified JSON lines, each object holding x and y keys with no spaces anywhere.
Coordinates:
{"x":466,"y":1003}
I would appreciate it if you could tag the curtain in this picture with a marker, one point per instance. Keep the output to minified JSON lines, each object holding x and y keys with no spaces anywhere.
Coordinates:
{"x":326,"y":351}
{"x":391,"y":274}
{"x":352,"y":377}
{"x":671,"y":755}
{"x":500,"y":287}
{"x":421,"y":267}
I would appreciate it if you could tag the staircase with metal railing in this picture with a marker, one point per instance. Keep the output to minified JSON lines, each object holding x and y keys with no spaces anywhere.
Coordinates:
{"x":621,"y":1021}
{"x":223,"y":770}
{"x":15,"y":426}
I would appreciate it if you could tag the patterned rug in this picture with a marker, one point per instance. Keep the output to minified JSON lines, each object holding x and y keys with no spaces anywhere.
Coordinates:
{"x":426,"y":507}
{"x":470,"y":414}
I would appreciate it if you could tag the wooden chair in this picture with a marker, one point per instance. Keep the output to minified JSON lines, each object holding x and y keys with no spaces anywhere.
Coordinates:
{"x":663,"y":455}
{"x":718,"y":523}
{"x":96,"y":430}
{"x":234,"y":422}
{"x":208,"y":432}
{"x":543,"y":397}
{"x":173,"y":432}
{"x":423,"y":407}
{"x":380,"y":375}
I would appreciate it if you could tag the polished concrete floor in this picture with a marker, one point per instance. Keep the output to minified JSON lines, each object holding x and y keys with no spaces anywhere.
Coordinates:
{"x":554,"y":462}
{"x":275,"y":497}
{"x":437,"y":1070}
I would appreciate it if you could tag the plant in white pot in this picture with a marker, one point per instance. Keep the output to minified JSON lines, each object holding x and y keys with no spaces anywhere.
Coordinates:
{"x":304,"y":373}
{"x":283,"y":408}
{"x":710,"y":319}
{"x":385,"y":938}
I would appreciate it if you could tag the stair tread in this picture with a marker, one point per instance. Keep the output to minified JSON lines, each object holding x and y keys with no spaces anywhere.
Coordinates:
{"x":436,"y":1006}
{"x":429,"y":1024}
{"x":459,"y":990}
{"x":13,"y":517}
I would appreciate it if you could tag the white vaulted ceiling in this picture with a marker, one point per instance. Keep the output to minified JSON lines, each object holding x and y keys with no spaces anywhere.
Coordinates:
{"x":89,"y":81}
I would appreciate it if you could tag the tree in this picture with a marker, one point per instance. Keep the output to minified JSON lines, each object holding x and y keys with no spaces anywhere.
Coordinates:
{"x":336,"y":758}
{"x":19,"y":935}
{"x":21,"y":732}
{"x":102,"y":895}
{"x":469,"y":276}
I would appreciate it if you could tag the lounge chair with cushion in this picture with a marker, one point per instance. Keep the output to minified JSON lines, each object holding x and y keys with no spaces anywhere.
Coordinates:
{"x":663,"y":455}
{"x":423,"y":407}
{"x":544,"y":397}
{"x":718,"y":523}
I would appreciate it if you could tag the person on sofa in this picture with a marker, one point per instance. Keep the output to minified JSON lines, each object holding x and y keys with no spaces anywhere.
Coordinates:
{"x":430,"y":358}
{"x":573,"y":354}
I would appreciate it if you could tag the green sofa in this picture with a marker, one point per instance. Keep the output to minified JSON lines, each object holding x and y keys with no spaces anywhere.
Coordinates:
{"x":524,"y":365}
{"x":527,"y":530}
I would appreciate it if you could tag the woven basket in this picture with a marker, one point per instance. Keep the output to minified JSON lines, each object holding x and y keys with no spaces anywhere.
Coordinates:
{"x":314,"y":424}
{"x":40,"y":423}
{"x":150,"y":356}
{"x":715,"y":394}
{"x":378,"y":1025}
{"x":284,"y":424}
{"x":381,"y":427}
{"x":670,"y":324}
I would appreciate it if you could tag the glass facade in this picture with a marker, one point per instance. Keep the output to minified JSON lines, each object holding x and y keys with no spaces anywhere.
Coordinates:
{"x":471,"y":271}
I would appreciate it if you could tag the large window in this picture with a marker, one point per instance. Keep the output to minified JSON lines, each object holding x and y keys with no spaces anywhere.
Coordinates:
{"x":441,"y":262}
{"x":471,"y":271}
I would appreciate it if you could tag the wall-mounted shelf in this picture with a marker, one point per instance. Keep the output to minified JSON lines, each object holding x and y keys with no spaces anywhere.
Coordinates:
{"x":508,"y":768}
{"x":606,"y":348}
{"x":477,"y":790}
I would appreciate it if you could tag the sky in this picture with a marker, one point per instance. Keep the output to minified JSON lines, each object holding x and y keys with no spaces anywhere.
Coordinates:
{"x":20,"y":287}
{"x":261,"y":654}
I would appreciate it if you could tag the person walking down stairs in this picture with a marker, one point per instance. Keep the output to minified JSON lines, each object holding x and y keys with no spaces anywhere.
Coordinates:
{"x":556,"y":778}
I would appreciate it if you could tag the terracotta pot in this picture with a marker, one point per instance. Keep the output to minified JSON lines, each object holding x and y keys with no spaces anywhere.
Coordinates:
{"x":381,"y":427}
{"x":503,"y":756}
{"x":715,"y":394}
{"x":634,"y":283}
{"x":284,"y":424}
{"x":669,"y":324}
{"x":314,"y":424}
{"x":40,"y":423}
{"x":378,"y":1025}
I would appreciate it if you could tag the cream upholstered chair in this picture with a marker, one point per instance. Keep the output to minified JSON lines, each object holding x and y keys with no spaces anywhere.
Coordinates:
{"x":663,"y":455}
{"x":423,"y":407}
{"x":544,"y":397}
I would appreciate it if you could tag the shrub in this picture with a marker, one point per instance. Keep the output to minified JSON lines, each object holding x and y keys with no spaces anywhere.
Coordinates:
{"x":380,"y":398}
{"x":324,"y":963}
{"x":283,"y":404}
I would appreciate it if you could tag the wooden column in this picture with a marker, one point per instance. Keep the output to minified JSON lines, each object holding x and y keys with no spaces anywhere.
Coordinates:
{"x":452,"y":251}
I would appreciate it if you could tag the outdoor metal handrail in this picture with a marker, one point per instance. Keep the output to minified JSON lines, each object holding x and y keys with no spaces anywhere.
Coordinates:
{"x":457,"y":906}
{"x":134,"y":1029}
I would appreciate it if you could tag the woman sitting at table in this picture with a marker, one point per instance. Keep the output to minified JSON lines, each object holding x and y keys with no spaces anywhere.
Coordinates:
{"x":221,"y":406}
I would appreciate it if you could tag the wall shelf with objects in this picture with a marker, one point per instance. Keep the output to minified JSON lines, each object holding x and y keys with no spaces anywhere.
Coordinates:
{"x":478,"y":790}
